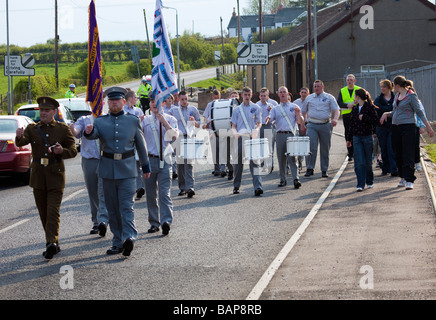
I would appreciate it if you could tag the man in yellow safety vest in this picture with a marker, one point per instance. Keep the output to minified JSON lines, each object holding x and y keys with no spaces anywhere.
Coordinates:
{"x":346,"y":102}
{"x":71,"y":92}
{"x":143,"y":93}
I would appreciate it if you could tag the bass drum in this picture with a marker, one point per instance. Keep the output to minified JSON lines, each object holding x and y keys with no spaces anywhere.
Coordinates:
{"x":221,"y":114}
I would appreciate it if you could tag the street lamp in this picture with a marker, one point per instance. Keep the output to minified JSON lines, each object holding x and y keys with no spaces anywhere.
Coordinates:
{"x":178,"y":52}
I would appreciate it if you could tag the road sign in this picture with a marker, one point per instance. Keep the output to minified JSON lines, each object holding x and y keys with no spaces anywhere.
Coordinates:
{"x":135,"y":54}
{"x":254,"y":54}
{"x":217,"y":55}
{"x":28,"y":60}
{"x":17,"y":68}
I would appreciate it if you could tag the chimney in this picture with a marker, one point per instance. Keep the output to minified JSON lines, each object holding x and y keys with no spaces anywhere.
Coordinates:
{"x":281,"y":6}
{"x":234,"y":13}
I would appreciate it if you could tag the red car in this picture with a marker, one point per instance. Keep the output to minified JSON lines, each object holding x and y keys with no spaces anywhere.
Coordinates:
{"x":14,"y":160}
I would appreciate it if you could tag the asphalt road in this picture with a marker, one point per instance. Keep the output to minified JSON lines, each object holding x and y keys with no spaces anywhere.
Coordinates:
{"x":219,"y":245}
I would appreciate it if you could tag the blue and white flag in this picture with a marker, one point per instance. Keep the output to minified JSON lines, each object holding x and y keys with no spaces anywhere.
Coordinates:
{"x":163,"y":76}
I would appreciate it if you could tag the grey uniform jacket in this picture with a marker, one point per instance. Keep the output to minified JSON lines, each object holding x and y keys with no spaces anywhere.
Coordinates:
{"x":120,"y":133}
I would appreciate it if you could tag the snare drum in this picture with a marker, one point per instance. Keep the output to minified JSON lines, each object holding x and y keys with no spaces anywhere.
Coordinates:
{"x":221,"y":114}
{"x":298,"y":146}
{"x":256,"y":149}
{"x":192,"y":149}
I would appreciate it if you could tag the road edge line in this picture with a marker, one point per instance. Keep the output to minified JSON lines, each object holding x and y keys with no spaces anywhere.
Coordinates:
{"x":14,"y":225}
{"x":261,"y":285}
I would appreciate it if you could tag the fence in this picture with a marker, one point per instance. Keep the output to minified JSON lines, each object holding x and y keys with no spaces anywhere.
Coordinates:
{"x":424,"y":81}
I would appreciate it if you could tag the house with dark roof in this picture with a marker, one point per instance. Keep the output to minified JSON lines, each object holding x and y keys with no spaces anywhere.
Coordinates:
{"x":387,"y":35}
{"x":250,"y":23}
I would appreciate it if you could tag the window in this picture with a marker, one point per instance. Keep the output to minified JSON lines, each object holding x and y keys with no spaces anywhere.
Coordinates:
{"x":372,"y":68}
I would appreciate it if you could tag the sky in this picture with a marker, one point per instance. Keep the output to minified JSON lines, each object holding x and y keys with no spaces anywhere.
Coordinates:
{"x":33,"y":21}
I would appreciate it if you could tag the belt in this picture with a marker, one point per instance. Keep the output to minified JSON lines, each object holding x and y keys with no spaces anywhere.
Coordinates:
{"x":118,"y":156}
{"x":285,"y":132}
{"x":45,"y":161}
{"x":153,"y":155}
{"x":318,"y":122}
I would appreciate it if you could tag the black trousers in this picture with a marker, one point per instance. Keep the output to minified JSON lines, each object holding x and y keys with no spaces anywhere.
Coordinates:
{"x":346,"y":118}
{"x":404,"y":146}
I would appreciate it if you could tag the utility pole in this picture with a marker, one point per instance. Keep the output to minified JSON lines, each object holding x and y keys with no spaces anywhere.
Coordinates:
{"x":148,"y":39}
{"x":222,"y":41}
{"x":10,"y":92}
{"x":309,"y":44}
{"x":260,"y":41}
{"x":315,"y":39}
{"x":56,"y":45}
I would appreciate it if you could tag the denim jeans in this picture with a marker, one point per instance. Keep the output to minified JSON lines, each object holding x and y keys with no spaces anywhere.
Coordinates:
{"x":363,"y":160}
{"x":388,"y":156}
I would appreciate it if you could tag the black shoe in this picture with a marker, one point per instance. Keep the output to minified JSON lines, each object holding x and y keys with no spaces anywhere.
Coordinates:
{"x":127,"y":247}
{"x":191,"y":193}
{"x":350,"y":158}
{"x":223,"y":174}
{"x":153,"y":229}
{"x":165,"y":228}
{"x":114,"y":250}
{"x":235,"y":190}
{"x":258,"y":192}
{"x":216,"y":173}
{"x":309,"y":173}
{"x":51,"y":250}
{"x":139,"y":193}
{"x":230,"y":176}
{"x":297,"y":184}
{"x":394,"y":174}
{"x":102,"y":228}
{"x":94,"y":230}
{"x":175,"y":176}
{"x":324,"y":174}
{"x":282,"y":184}
{"x":182,"y":193}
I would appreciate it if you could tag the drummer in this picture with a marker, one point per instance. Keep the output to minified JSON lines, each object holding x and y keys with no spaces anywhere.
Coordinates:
{"x":287,"y":116}
{"x":246,"y":123}
{"x":219,"y":169}
{"x":188,"y":118}
{"x":267,"y":130}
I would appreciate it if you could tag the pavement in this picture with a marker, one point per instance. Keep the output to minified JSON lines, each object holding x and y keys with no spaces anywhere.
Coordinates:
{"x":376,"y":244}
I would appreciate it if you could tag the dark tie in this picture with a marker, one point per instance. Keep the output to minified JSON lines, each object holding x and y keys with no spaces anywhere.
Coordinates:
{"x":160,"y":141}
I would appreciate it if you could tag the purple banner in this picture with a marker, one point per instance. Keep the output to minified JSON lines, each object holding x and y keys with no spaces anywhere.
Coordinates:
{"x":94,"y":92}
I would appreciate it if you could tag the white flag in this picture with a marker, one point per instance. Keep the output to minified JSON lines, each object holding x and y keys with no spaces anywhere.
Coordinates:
{"x":163,"y":76}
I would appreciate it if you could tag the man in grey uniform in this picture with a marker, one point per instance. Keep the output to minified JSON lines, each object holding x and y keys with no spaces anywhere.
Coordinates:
{"x":90,"y":151}
{"x":188,"y":118}
{"x":119,"y":134}
{"x":159,"y":129}
{"x":317,"y":109}
{"x":246,"y":123}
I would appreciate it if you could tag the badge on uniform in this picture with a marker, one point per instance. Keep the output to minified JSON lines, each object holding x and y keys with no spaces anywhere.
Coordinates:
{"x":44,"y":161}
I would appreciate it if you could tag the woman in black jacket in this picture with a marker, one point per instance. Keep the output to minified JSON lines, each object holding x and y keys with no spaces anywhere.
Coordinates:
{"x":384,"y":103}
{"x":363,"y":121}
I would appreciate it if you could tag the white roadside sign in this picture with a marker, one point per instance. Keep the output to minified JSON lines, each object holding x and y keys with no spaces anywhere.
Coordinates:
{"x":254,"y":54}
{"x":16,"y":67}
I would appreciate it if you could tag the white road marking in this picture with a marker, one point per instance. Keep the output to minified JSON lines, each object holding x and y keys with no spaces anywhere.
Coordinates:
{"x":25,"y":220}
{"x":14,"y":225}
{"x":274,"y":266}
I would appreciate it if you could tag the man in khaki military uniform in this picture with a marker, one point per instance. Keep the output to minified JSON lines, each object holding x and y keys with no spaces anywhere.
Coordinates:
{"x":51,"y":142}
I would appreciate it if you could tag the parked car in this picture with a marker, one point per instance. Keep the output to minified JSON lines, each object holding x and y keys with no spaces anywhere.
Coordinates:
{"x":78,"y":106}
{"x":14,"y":160}
{"x":63,"y":114}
